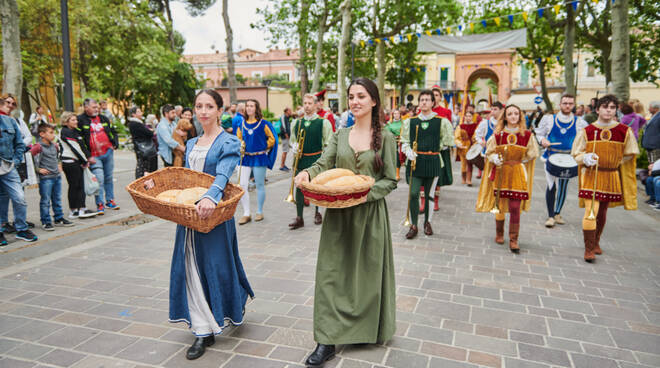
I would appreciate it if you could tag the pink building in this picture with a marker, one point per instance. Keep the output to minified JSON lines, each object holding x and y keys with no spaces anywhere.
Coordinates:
{"x":251,"y":64}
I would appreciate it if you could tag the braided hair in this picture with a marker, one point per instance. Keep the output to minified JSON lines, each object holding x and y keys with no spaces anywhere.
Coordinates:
{"x":376,"y":118}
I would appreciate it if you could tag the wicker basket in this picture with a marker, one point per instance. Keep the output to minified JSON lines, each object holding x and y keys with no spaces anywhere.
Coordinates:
{"x":186,"y":215}
{"x":338,"y":197}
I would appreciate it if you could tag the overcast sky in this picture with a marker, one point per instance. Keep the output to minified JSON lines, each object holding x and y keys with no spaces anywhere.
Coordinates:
{"x":207,"y":30}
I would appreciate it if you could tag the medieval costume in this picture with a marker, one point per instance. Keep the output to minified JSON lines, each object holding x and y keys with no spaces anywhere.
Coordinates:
{"x":395,"y":128}
{"x":432,"y":135}
{"x":463,"y":137}
{"x":559,"y":129}
{"x":510,"y":168}
{"x":208,"y":285}
{"x":484,"y":130}
{"x":611,"y":173}
{"x":260,"y":153}
{"x":317,"y":132}
{"x":354,"y":297}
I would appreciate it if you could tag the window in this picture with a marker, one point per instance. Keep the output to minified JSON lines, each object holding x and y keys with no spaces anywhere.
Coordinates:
{"x":444,"y":77}
{"x":286,"y":75}
{"x":524,"y":75}
{"x":591,"y":70}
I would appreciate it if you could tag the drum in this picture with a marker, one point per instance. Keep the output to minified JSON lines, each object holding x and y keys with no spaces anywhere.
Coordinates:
{"x":561,"y":165}
{"x":475,"y":157}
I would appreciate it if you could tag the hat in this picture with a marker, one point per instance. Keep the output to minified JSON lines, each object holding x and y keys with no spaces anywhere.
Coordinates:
{"x":435,"y":86}
{"x":320,"y":95}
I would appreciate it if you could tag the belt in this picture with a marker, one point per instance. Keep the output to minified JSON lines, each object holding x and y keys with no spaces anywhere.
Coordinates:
{"x":427,"y":153}
{"x":256,"y":153}
{"x":511,"y":162}
{"x":312,"y":153}
{"x":605,"y":169}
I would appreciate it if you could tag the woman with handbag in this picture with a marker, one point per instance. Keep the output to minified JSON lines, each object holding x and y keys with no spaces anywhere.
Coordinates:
{"x":143,"y":143}
{"x":75,"y":159}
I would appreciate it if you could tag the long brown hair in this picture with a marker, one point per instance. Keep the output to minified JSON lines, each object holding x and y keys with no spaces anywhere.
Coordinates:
{"x":502,"y":122}
{"x":376,"y":118}
{"x":257,"y":109}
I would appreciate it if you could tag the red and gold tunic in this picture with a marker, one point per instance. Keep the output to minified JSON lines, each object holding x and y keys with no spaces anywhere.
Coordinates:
{"x":514,"y":178}
{"x":463,"y":138}
{"x":614,"y":144}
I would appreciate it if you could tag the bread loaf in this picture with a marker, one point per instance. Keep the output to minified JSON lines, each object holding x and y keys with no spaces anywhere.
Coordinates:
{"x":190,"y":195}
{"x":168,"y":195}
{"x":329,"y":175}
{"x":345,"y":181}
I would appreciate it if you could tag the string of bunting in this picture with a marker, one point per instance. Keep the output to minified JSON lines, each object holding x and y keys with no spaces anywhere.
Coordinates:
{"x":483,"y":65}
{"x":457,"y":28}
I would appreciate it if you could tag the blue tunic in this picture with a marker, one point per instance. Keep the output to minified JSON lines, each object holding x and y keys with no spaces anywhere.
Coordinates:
{"x":221,"y":272}
{"x":563,"y":133}
{"x":256,"y":144}
{"x":489,"y":132}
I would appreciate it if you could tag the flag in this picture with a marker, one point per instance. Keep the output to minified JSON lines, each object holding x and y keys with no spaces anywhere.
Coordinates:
{"x":556,"y":8}
{"x":524,"y":14}
{"x":392,"y":39}
{"x":377,"y":40}
{"x":438,"y":31}
{"x":466,"y":99}
{"x":497,"y":21}
{"x":483,"y":23}
{"x":510,"y":18}
{"x":362,"y":43}
{"x":575,"y":4}
{"x":460,"y":27}
{"x":490,"y":98}
{"x":540,"y":12}
{"x":409,"y":35}
{"x":472,"y":27}
{"x":448,"y":30}
{"x":428,"y":33}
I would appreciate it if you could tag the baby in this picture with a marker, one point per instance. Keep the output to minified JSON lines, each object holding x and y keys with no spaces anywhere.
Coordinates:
{"x":186,"y":126}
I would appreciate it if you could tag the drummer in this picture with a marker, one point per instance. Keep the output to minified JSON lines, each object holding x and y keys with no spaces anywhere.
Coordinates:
{"x":463,"y":137}
{"x":556,"y":134}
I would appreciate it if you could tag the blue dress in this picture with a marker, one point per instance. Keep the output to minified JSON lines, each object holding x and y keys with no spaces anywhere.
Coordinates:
{"x":256,"y":143}
{"x":215,"y":254}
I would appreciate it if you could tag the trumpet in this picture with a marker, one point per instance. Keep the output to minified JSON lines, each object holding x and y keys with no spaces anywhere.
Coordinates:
{"x":496,"y":209}
{"x":301,"y":143}
{"x":413,"y":165}
{"x":592,"y":215}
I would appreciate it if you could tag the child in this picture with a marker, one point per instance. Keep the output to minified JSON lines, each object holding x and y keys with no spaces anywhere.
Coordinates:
{"x":46,"y":154}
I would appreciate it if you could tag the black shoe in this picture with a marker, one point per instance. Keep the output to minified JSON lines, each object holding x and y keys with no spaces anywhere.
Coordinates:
{"x":63,"y":222}
{"x":321,"y":354}
{"x":9,"y":227}
{"x":30,"y":225}
{"x":3,"y":241}
{"x":199,"y":346}
{"x":26,"y":235}
{"x":48,"y":227}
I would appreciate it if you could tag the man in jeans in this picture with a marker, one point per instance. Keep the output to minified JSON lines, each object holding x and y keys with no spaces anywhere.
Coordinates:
{"x":12,"y":149}
{"x":101,"y":140}
{"x":164,"y":132}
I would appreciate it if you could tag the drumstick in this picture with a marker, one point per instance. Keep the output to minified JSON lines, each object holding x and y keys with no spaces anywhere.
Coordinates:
{"x":555,"y":143}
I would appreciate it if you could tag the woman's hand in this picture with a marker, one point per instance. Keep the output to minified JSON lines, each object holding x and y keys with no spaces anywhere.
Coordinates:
{"x":205,"y":208}
{"x":302,"y":177}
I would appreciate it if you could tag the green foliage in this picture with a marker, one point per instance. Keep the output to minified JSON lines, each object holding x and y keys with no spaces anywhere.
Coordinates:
{"x":268,"y":115}
{"x":642,"y":158}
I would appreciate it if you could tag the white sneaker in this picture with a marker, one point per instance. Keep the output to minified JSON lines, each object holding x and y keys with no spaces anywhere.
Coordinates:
{"x":74,"y":214}
{"x":550,"y":222}
{"x":85,"y":213}
{"x":559,"y":220}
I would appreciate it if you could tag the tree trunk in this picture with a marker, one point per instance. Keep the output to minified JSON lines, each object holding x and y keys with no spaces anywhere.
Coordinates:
{"x":544,"y":90}
{"x":569,"y":43}
{"x":230,"y":53}
{"x":302,"y":37}
{"x":380,"y":75}
{"x":620,"y":55}
{"x":12,"y":76}
{"x":319,"y":48}
{"x":345,"y":9}
{"x":605,"y":51}
{"x":404,"y":88}
{"x":169,"y":25}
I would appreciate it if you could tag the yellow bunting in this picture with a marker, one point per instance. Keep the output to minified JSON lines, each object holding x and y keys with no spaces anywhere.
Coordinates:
{"x":407,"y":70}
{"x":428,"y":33}
{"x":524,"y":14}
{"x":377,"y":40}
{"x":595,"y":1}
{"x":497,"y":21}
{"x":448,"y":30}
{"x":547,"y":59}
{"x":472,"y":27}
{"x":409,"y":35}
{"x":362,"y":44}
{"x":556,"y":7}
{"x":392,"y":39}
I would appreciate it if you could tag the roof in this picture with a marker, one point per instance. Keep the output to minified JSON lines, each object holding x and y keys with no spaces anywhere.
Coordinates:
{"x":245,"y":55}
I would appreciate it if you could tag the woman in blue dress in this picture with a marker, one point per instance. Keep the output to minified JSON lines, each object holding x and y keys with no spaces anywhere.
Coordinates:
{"x":208,"y":285}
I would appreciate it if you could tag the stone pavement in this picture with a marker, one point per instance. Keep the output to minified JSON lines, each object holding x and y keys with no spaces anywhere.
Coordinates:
{"x":462,"y":300}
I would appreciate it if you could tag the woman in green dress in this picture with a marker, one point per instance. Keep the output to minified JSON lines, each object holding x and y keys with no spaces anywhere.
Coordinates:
{"x":395,"y":128}
{"x":354,"y":297}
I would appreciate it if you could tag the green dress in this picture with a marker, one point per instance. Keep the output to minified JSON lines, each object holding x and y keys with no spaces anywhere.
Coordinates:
{"x":354,"y":296}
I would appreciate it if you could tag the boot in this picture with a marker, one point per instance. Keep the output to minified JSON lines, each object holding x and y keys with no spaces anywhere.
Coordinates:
{"x":199,"y":346}
{"x":318,"y":219}
{"x":412,"y":232}
{"x":436,"y":205}
{"x":479,"y":174}
{"x":422,"y":204}
{"x":463,"y":176}
{"x":589,"y":244}
{"x":499,"y":231}
{"x":297,"y":223}
{"x":321,"y":354}
{"x":428,"y":230}
{"x":513,"y":237}
{"x":599,"y":231}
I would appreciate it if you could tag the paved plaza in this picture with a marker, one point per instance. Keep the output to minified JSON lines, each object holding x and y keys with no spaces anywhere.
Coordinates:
{"x":96,"y":295}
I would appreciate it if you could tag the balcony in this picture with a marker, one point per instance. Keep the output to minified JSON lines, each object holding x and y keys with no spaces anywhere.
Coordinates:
{"x":444,"y":84}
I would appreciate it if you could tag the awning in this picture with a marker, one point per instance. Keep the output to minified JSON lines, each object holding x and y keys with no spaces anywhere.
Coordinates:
{"x":474,"y":42}
{"x":526,"y":101}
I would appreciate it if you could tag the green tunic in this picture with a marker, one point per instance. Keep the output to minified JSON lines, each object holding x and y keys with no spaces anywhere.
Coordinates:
{"x":394,"y":127}
{"x":354,"y":297}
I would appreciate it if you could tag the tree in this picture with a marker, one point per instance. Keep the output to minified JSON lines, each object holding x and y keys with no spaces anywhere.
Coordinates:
{"x":569,"y":43}
{"x":345,"y":10}
{"x":595,"y":30}
{"x":407,"y":68}
{"x":12,"y":73}
{"x":230,"y":52}
{"x":327,"y":15}
{"x":163,"y":12}
{"x":620,"y":50}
